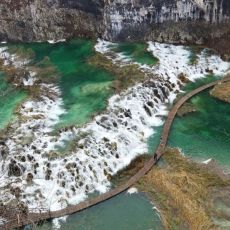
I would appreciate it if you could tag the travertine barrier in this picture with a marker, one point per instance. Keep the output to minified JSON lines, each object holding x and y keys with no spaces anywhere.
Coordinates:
{"x":16,"y":218}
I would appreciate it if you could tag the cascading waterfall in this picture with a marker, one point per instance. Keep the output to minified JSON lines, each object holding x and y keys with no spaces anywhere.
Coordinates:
{"x":29,"y":159}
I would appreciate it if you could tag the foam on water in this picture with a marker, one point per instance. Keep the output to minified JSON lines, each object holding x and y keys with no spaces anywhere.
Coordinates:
{"x":132,"y":190}
{"x":207,"y":161}
{"x":102,"y":147}
{"x":56,"y":41}
{"x":38,"y":117}
{"x":58,"y":221}
{"x":106,"y":48}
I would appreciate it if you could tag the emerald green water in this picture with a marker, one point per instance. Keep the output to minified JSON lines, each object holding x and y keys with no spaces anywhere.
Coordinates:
{"x":154,"y":139}
{"x":123,"y":212}
{"x":84,"y":87}
{"x":204,"y":134}
{"x":137,"y":52}
{"x":10,"y":98}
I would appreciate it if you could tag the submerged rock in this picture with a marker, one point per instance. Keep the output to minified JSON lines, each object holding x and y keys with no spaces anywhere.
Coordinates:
{"x":14,"y":169}
{"x":29,"y":178}
{"x":15,"y":191}
{"x":148,"y":111}
{"x":183,"y":78}
{"x":185,"y":109}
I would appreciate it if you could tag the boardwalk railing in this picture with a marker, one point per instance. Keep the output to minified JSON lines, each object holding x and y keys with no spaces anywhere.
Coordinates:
{"x":17,"y":218}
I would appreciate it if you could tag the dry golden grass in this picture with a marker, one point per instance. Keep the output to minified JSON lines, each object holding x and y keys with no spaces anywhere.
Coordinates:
{"x":183,"y":191}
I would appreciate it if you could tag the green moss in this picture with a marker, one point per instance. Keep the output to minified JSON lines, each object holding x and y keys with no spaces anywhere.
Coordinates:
{"x":21,"y":52}
{"x":125,"y":76}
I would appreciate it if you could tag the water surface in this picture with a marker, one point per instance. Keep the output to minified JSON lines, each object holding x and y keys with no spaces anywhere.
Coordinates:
{"x":123,"y":212}
{"x":205,"y":133}
{"x":85,"y":90}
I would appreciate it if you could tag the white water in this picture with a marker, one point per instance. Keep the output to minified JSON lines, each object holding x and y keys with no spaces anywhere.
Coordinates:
{"x":56,"y":41}
{"x":132,"y":190}
{"x":103,"y":146}
{"x":57,"y":222}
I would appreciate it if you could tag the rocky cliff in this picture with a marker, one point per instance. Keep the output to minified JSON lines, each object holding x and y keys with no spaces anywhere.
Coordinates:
{"x":134,"y":19}
{"x":196,"y":21}
{"x":29,"y":20}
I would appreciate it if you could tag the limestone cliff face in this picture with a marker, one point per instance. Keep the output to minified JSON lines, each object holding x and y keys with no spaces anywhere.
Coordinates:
{"x":173,"y":20}
{"x":163,"y":20}
{"x":29,"y":20}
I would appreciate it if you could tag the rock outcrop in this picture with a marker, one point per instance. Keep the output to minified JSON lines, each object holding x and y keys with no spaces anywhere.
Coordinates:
{"x":177,"y":21}
{"x":222,"y":92}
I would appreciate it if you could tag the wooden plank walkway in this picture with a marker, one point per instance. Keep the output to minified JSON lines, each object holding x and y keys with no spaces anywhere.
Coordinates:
{"x":18,"y":219}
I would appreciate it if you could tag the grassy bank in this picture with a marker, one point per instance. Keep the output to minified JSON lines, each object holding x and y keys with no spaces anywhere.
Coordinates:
{"x":222,"y":91}
{"x":184,"y":192}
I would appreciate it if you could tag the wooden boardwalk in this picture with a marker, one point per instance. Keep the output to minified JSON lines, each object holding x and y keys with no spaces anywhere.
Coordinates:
{"x":16,"y":218}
